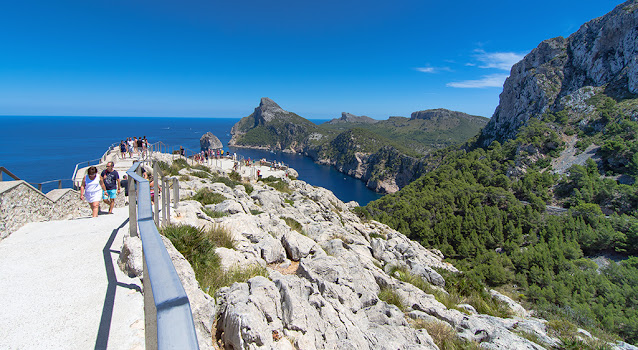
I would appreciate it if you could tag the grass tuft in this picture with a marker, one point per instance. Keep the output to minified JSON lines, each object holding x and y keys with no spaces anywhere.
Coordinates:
{"x":198,"y":247}
{"x":206,"y":196}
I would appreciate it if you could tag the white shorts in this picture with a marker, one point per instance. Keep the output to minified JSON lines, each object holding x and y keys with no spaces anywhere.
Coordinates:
{"x":93,"y":197}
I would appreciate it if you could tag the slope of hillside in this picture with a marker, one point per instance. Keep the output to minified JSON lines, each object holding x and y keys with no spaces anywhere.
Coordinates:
{"x":564,"y":134}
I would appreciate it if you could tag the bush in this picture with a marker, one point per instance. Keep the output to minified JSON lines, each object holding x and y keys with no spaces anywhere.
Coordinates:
{"x":391,"y":297}
{"x":294,"y":224}
{"x":234,"y":176}
{"x":213,"y":213}
{"x":198,"y":247}
{"x":206,"y":196}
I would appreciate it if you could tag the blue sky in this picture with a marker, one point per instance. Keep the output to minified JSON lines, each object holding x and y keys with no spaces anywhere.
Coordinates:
{"x":210,"y":58}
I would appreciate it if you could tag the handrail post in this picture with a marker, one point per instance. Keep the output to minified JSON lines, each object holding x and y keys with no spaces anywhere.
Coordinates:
{"x":164,"y":200}
{"x":150,"y":312}
{"x":175,"y":192}
{"x":132,"y":208}
{"x":59,"y":184}
{"x":167,"y":202}
{"x":156,"y":193}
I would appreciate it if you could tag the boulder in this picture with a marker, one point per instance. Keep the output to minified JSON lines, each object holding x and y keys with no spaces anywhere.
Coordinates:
{"x":209,"y":141}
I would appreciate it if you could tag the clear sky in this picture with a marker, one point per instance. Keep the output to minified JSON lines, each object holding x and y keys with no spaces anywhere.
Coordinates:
{"x":213,"y":58}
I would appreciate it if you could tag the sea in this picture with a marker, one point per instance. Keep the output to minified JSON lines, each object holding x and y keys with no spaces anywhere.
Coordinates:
{"x":44,"y":149}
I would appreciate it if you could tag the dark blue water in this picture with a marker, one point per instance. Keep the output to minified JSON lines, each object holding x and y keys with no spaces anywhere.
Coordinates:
{"x":39,"y":149}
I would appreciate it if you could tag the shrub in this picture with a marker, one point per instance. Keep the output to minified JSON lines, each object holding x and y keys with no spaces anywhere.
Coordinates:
{"x":391,"y":297}
{"x":294,"y":224}
{"x":234,"y":176}
{"x":214,"y":214}
{"x":201,"y":174}
{"x":206,"y":196}
{"x":198,"y":247}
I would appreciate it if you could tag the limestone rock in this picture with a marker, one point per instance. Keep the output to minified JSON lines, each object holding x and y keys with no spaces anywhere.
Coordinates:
{"x":209,"y":141}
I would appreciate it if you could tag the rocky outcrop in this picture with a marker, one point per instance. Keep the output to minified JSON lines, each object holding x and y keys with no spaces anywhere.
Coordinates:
{"x":600,"y":56}
{"x":326,"y":282}
{"x":209,"y":141}
{"x":442,"y":116}
{"x":351,"y":118}
{"x":271,"y":127}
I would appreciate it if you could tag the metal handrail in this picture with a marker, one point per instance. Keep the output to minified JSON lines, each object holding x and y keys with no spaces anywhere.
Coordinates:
{"x":6,"y":171}
{"x":167,"y":312}
{"x":88,"y":162}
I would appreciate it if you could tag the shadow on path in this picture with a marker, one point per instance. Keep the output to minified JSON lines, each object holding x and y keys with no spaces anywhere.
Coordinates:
{"x":109,"y":300}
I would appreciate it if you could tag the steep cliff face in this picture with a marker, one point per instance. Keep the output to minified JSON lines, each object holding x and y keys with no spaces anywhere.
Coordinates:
{"x":272,"y":127}
{"x":601,"y":55}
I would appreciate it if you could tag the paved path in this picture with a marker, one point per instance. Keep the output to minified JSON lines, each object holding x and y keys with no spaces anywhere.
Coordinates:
{"x":61,"y":288}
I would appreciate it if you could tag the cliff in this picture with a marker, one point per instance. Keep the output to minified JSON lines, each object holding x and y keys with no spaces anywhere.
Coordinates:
{"x":271,"y":127}
{"x":562,"y":74}
{"x":386,"y":154}
{"x":330,"y":278}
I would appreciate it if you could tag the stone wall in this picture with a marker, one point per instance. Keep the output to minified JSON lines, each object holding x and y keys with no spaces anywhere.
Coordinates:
{"x":21,"y":203}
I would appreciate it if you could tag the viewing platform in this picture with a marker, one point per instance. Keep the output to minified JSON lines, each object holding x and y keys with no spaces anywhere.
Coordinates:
{"x":60,"y":283}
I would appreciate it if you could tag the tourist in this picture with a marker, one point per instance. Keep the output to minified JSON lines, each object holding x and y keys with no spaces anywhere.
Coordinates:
{"x":139,"y":145}
{"x":141,"y":169}
{"x":181,"y":151}
{"x":112,"y":182}
{"x":152,"y":185}
{"x":122,"y":149}
{"x":92,"y":186}
{"x":130,"y":147}
{"x":124,"y":184}
{"x":144,"y":147}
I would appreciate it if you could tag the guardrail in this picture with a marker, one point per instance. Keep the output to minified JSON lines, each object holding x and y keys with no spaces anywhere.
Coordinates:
{"x":88,"y":162}
{"x":34,"y":184}
{"x":167,"y":312}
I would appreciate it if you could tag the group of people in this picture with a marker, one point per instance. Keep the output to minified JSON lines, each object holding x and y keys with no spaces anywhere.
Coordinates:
{"x":107,"y":186}
{"x":104,"y":187}
{"x":134,"y":145}
{"x":203,"y":156}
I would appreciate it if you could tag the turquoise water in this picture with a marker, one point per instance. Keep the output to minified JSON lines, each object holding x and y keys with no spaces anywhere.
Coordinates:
{"x":39,"y":149}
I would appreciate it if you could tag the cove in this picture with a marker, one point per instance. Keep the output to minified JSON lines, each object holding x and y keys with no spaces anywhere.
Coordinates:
{"x":345,"y":187}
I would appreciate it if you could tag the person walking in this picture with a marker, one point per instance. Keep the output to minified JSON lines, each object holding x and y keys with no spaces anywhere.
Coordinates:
{"x":122,"y":149}
{"x":111,"y":180}
{"x":91,"y":189}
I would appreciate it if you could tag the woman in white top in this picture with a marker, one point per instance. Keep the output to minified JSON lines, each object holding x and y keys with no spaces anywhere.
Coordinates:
{"x":92,"y":187}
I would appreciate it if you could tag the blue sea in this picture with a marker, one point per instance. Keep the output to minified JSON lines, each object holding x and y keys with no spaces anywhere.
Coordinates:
{"x":41,"y":149}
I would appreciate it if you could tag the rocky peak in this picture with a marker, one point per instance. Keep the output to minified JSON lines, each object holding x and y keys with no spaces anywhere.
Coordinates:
{"x":351,"y":118}
{"x":438,"y":114}
{"x":267,"y":111}
{"x":601,"y":54}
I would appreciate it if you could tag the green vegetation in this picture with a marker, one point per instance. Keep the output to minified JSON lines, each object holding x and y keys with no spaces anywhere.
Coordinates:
{"x":279,"y":184}
{"x":444,"y":335}
{"x":214,"y":214}
{"x":391,"y":297}
{"x":198,"y":247}
{"x":206,"y":196}
{"x":494,"y":227}
{"x":294,"y":224}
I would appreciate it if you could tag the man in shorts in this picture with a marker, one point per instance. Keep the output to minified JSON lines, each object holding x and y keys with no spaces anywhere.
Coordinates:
{"x":112,"y":183}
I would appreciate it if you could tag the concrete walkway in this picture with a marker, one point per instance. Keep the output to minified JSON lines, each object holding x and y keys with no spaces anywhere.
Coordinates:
{"x":61,"y":288}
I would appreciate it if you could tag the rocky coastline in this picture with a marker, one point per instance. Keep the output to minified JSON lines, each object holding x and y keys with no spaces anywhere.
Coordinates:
{"x":327,"y":280}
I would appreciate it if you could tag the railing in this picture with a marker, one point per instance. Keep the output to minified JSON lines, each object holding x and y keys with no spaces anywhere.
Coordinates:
{"x":167,"y":312}
{"x":6,"y":171}
{"x":34,"y":184}
{"x":88,"y":162}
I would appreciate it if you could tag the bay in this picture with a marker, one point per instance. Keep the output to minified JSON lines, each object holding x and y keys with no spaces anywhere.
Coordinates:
{"x":42,"y":148}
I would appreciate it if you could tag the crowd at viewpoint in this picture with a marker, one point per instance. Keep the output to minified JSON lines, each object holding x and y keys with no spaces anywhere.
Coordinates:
{"x":134,"y":145}
{"x":107,"y":185}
